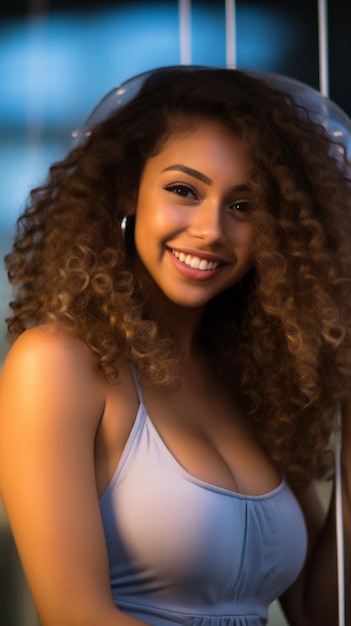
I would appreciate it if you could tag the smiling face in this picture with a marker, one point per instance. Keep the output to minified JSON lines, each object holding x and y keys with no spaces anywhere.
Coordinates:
{"x":193,"y":232}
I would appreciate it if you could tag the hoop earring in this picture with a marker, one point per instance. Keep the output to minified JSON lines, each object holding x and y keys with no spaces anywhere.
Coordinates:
{"x":128,"y":227}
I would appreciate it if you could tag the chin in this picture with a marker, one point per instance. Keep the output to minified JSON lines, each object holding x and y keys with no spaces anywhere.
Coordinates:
{"x":189,"y":303}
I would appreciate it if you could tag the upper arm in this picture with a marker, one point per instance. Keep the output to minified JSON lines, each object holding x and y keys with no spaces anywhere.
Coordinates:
{"x":51,"y":400}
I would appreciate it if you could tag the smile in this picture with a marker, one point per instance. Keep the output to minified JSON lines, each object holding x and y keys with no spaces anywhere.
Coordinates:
{"x":195,"y":262}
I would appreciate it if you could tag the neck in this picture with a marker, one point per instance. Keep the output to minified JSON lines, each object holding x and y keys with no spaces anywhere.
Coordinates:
{"x":181,"y":323}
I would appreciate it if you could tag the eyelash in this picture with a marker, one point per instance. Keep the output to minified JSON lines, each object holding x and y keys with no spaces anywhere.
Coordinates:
{"x":183,"y":189}
{"x":241,"y":203}
{"x":176,"y":187}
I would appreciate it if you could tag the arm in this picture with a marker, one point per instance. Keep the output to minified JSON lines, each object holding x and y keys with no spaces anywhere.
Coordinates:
{"x":313,"y":598}
{"x":51,"y":402}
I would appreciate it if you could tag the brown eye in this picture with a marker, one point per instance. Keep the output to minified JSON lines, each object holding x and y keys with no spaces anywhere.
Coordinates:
{"x":242,"y":206}
{"x":185,"y":191}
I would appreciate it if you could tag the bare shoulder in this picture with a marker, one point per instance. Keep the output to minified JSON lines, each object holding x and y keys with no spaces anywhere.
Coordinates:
{"x":50,"y":345}
{"x":51,"y":392}
{"x":50,"y":362}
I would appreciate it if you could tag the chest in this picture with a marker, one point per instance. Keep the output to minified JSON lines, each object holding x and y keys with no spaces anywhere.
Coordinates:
{"x":199,"y":423}
{"x":206,"y":432}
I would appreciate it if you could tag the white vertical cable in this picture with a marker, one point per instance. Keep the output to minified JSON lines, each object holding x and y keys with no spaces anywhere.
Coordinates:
{"x":185,"y":31}
{"x":230,"y":31}
{"x":339,"y":517}
{"x":324,"y":89}
{"x":323,"y":47}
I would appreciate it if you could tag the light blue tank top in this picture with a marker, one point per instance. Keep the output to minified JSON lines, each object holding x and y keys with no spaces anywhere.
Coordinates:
{"x":182,"y":551}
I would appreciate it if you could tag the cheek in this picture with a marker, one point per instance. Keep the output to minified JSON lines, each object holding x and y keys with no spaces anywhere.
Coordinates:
{"x":150,"y":230}
{"x":157,"y":217}
{"x":248,"y":238}
{"x":243,"y":238}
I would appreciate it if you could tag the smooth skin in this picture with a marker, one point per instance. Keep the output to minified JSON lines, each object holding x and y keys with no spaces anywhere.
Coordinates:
{"x":194,"y":200}
{"x":63,"y":428}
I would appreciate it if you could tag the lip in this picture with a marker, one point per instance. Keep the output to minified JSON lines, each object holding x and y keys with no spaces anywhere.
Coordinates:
{"x":191,"y":272}
{"x":208,"y":256}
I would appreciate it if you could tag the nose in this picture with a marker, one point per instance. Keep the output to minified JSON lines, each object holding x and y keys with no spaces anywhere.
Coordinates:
{"x":206,"y":223}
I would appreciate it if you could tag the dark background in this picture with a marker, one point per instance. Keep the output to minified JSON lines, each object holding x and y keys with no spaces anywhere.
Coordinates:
{"x":59,"y":57}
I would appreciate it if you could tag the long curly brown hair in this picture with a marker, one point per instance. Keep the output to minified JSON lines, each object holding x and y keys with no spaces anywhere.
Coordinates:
{"x":283,"y":333}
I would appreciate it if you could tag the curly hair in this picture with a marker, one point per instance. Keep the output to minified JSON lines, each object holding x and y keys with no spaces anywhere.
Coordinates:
{"x":283,"y":334}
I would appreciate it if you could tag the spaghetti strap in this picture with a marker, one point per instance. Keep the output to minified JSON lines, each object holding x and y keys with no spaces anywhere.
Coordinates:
{"x":137,"y":386}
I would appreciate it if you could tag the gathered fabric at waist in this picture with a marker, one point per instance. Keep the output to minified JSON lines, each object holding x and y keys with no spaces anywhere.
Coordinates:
{"x":158,"y":617}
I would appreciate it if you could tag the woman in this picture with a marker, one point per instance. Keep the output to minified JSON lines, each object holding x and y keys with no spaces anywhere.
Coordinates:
{"x":182,"y":340}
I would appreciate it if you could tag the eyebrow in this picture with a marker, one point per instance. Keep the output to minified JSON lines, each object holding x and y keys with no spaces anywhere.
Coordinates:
{"x":205,"y":179}
{"x":190,"y":171}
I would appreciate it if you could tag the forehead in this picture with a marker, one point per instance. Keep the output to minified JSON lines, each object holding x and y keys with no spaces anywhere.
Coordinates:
{"x":206,"y":145}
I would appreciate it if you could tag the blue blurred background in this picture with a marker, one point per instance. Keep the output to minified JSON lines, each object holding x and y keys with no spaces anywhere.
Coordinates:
{"x":58,"y":58}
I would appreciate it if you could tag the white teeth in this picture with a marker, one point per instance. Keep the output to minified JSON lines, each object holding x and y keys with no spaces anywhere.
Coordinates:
{"x":195,"y":261}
